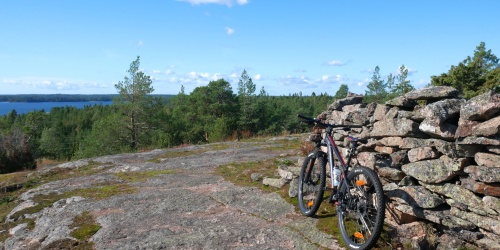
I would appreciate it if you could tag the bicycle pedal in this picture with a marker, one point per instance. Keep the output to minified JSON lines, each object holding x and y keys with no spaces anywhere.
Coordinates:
{"x":333,"y":199}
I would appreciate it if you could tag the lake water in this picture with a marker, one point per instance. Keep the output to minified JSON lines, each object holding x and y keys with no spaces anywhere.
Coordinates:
{"x":25,"y":107}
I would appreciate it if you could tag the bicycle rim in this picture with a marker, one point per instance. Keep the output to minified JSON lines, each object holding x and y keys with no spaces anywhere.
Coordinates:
{"x":361,"y":216}
{"x":311,"y":185}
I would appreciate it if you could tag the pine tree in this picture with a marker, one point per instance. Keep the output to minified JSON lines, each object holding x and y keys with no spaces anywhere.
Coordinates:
{"x":376,"y":88}
{"x":474,"y":75}
{"x":133,"y":100}
{"x":402,"y":85}
{"x":212,"y":112}
{"x":249,"y":111}
{"x":342,"y":92}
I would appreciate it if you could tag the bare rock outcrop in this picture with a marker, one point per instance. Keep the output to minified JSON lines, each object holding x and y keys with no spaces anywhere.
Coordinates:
{"x":155,"y":201}
{"x":440,"y":162}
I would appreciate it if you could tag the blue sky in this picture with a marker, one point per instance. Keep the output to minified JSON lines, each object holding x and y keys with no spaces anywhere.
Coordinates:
{"x":85,"y":47}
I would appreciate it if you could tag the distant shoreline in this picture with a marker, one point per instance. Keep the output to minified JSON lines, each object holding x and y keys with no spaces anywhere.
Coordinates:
{"x":35,"y":98}
{"x":26,"y":107}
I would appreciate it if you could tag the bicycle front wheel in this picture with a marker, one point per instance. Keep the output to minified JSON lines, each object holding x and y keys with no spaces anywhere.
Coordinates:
{"x":361,"y":210}
{"x":312,"y":179}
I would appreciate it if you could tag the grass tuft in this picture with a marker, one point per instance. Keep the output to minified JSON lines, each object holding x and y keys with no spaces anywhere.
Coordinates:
{"x":286,"y":144}
{"x":103,"y":192}
{"x":41,"y":201}
{"x":240,"y":173}
{"x":85,"y":226}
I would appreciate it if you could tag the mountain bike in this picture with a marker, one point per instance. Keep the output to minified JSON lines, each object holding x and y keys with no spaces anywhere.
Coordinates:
{"x":356,"y":191}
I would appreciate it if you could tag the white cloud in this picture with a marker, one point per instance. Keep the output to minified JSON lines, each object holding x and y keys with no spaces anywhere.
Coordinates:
{"x":422,"y":83}
{"x":194,"y":75}
{"x":293,"y":80}
{"x":161,"y":72}
{"x":192,"y":78}
{"x":139,"y":43}
{"x":205,"y":75}
{"x":42,"y":84}
{"x":286,"y":84}
{"x":228,"y":3}
{"x":363,"y":83}
{"x":216,"y":76}
{"x":331,"y":79}
{"x":334,"y":63}
{"x":368,"y":71}
{"x":229,"y":31}
{"x":331,"y":83}
{"x":410,"y":71}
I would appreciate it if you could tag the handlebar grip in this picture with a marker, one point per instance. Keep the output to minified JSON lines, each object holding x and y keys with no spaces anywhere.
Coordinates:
{"x":355,"y":126}
{"x":307,"y":119}
{"x":303,"y":117}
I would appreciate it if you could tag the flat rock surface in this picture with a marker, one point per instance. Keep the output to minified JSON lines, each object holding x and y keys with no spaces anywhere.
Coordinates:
{"x":190,"y":209}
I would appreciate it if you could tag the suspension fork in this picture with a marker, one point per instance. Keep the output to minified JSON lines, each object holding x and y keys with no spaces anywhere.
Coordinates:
{"x":313,"y":155}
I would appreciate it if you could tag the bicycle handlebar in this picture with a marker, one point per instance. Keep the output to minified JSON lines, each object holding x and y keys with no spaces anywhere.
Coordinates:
{"x":308,"y":119}
{"x":325,"y":125}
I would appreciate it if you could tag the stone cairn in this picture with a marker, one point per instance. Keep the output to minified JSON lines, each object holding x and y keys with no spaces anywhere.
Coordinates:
{"x":438,"y":156}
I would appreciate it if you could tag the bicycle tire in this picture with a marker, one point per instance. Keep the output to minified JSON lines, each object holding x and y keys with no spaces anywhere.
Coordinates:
{"x":311,"y":190}
{"x":361,"y":218}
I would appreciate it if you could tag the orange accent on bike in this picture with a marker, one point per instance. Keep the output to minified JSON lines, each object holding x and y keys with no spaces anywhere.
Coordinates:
{"x":360,"y":183}
{"x":310,"y":203}
{"x":358,"y":235}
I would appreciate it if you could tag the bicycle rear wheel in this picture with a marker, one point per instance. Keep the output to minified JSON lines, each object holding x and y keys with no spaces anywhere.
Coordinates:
{"x":361,"y":214}
{"x":312,"y":179}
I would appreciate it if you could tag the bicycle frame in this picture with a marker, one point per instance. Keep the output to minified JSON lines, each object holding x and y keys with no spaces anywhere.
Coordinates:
{"x":333,"y":150}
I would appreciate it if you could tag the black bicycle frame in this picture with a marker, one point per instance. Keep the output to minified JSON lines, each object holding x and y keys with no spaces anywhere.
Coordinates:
{"x":333,"y":149}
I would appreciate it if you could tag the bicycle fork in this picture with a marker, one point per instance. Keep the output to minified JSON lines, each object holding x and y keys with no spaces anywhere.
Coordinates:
{"x":307,"y":177}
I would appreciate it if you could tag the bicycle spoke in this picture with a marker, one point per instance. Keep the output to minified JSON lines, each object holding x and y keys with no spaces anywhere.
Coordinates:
{"x":363,"y":217}
{"x":312,"y":180}
{"x":365,"y":225}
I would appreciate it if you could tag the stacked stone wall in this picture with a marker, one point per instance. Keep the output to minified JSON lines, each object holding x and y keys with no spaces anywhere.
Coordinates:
{"x":439,"y":158}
